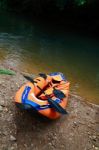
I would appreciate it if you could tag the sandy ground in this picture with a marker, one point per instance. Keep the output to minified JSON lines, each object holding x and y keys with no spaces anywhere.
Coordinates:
{"x":22,"y":130}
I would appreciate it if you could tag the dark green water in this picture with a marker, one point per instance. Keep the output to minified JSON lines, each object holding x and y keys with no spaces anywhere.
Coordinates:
{"x":34,"y":47}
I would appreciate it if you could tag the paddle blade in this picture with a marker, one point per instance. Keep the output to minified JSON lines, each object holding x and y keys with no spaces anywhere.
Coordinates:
{"x":57,"y":107}
{"x":59,"y":94}
{"x":43,"y":75}
{"x":28,"y":78}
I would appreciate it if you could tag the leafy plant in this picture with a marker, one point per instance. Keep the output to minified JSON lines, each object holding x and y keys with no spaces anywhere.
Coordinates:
{"x":80,"y":2}
{"x":7,"y":72}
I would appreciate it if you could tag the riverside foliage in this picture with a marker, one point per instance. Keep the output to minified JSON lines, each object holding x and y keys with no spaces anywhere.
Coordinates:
{"x":40,"y":6}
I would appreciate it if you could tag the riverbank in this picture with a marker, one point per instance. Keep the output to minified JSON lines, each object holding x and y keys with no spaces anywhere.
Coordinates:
{"x":21,"y":130}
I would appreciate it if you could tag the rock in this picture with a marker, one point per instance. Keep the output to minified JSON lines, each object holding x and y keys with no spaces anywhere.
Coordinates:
{"x":93,"y":137}
{"x":55,"y":137}
{"x":1,"y":108}
{"x":25,"y":145}
{"x":9,"y":119}
{"x":12,"y":138}
{"x":70,"y":139}
{"x":96,"y":148}
{"x":32,"y":145}
{"x":11,"y":148}
{"x":88,"y":133}
{"x":62,"y":146}
{"x":87,"y":113}
{"x":50,"y":144}
{"x":76,"y":85}
{"x":75,"y":124}
{"x":5,"y":133}
{"x":2,"y":103}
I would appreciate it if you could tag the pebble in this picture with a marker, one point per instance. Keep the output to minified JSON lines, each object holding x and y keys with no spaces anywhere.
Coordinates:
{"x":93,"y":137}
{"x":25,"y":145}
{"x":62,"y":146}
{"x":87,"y":113}
{"x":5,"y":133}
{"x":1,"y":108}
{"x":76,"y":85}
{"x":32,"y":145}
{"x":12,"y":138}
{"x":9,"y":119}
{"x":71,"y":134}
{"x":89,"y":125}
{"x":11,"y":148}
{"x":6,"y":110}
{"x":50,"y":144}
{"x":2,"y":103}
{"x":70,"y":139}
{"x":88,"y":133}
{"x":96,"y":148}
{"x":75,"y":123}
{"x":55,"y":137}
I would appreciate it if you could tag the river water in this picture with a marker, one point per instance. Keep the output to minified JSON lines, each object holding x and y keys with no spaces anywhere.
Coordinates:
{"x":36,"y":47}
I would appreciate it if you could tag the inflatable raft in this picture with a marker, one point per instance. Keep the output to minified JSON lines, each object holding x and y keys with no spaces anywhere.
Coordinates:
{"x":47,"y":94}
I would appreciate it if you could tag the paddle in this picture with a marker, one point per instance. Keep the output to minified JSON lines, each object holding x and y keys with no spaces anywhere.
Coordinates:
{"x":53,"y":103}
{"x":59,"y":94}
{"x":56,"y":92}
{"x":29,"y":79}
{"x":57,"y":107}
{"x":43,"y":75}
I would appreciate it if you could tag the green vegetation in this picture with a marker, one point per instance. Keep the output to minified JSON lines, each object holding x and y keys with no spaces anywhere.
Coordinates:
{"x":79,"y":13}
{"x":80,"y":2}
{"x":7,"y":72}
{"x":3,"y":4}
{"x":41,"y":5}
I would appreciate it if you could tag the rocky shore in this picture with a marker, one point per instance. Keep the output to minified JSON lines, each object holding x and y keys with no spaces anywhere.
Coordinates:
{"x":22,"y":130}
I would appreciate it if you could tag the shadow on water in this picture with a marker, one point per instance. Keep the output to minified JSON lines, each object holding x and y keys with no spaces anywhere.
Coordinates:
{"x":34,"y":47}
